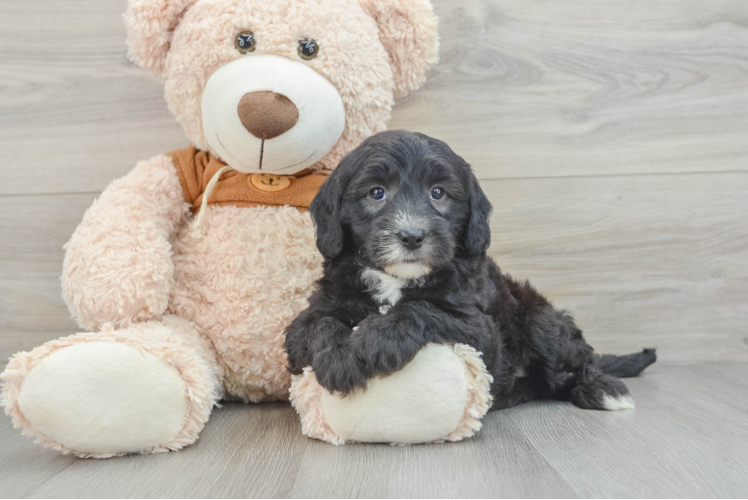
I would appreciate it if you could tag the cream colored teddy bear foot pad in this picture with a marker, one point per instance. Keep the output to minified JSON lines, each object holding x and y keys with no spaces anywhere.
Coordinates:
{"x":109,"y":393}
{"x":439,"y":396}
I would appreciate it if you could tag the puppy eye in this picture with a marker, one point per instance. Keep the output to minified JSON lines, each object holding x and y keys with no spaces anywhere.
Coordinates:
{"x":437,"y":193}
{"x":308,"y":48}
{"x":378,"y":194}
{"x":245,"y":42}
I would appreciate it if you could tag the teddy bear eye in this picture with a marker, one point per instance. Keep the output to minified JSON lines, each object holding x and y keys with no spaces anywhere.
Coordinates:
{"x":245,"y":42}
{"x":308,"y":48}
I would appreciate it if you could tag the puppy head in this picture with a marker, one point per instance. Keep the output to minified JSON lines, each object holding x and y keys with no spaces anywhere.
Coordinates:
{"x":404,"y":203}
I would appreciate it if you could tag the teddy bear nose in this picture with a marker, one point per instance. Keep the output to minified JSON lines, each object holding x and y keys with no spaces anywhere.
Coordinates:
{"x":266,"y":114}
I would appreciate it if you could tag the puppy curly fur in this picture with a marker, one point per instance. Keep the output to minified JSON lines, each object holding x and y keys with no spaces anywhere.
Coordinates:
{"x":386,"y":293}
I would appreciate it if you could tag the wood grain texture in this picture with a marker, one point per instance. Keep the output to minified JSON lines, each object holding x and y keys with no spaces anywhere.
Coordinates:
{"x":24,"y":465}
{"x":34,"y":230}
{"x":66,"y":83}
{"x":245,"y":451}
{"x":499,"y":462}
{"x":663,"y":448}
{"x":529,"y":89}
{"x":686,"y":438}
{"x":543,"y":88}
{"x":640,"y":261}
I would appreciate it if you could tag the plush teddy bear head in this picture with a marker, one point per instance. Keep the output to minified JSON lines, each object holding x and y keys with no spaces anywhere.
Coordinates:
{"x":277,"y":86}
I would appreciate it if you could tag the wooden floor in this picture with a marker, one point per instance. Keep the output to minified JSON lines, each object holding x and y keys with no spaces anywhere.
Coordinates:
{"x":612,"y":138}
{"x":685,"y":439}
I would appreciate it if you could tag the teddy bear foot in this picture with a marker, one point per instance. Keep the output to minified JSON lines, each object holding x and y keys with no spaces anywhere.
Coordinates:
{"x":136,"y":390}
{"x":439,"y":396}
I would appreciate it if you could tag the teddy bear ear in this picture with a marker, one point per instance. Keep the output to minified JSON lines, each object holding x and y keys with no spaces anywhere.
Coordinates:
{"x":408,"y":31}
{"x":150,"y":24}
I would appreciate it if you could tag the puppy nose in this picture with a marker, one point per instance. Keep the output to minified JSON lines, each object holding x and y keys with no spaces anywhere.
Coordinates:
{"x":411,"y":238}
{"x":266,"y":114}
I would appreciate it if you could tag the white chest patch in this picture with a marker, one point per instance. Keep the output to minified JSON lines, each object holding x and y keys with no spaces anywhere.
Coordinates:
{"x":386,"y":289}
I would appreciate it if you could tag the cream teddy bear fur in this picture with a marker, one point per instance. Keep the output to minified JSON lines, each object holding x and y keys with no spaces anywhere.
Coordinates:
{"x":177,"y":319}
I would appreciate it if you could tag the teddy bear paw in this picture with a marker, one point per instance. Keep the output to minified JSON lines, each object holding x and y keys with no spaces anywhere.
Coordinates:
{"x":439,"y":396}
{"x":106,"y":394}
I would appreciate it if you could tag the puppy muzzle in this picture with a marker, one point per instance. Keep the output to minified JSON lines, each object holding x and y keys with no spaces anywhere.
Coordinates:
{"x":402,"y":243}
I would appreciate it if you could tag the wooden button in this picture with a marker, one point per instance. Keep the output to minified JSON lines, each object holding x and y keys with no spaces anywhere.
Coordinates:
{"x":269,"y":182}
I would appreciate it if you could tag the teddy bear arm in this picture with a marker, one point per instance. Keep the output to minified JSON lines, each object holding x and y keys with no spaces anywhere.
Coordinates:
{"x":118,"y":266}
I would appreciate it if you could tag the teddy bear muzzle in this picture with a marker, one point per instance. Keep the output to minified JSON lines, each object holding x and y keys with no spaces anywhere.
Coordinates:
{"x":269,"y":114}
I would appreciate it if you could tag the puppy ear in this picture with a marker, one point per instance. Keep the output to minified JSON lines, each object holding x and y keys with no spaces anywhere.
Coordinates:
{"x":478,"y":233}
{"x":150,"y":24}
{"x":408,"y":31}
{"x":325,"y":209}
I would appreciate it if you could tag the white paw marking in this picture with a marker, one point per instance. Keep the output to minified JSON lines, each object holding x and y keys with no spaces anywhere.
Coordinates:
{"x":613,"y":403}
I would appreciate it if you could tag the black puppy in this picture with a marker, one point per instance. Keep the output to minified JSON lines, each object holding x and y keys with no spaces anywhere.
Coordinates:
{"x":403,"y":226}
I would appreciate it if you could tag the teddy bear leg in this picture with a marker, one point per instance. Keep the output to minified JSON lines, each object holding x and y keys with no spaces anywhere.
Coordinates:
{"x":142,"y":389}
{"x":439,"y":396}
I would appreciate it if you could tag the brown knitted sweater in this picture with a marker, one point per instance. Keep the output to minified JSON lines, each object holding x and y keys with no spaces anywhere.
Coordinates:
{"x":195,"y":169}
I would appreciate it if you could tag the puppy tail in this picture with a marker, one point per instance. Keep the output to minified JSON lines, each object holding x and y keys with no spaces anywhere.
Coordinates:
{"x":629,"y":365}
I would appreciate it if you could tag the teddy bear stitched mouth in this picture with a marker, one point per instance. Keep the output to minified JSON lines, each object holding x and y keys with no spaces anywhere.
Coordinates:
{"x":294,"y":164}
{"x":229,"y":154}
{"x":262,"y":154}
{"x":262,"y":148}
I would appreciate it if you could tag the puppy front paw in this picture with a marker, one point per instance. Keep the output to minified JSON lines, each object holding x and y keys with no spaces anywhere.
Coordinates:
{"x":383,"y":347}
{"x":338,"y":370}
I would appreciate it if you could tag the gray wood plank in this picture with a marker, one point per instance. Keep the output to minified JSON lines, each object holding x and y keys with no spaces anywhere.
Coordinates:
{"x":24,"y":465}
{"x":525,"y":89}
{"x":246,"y":451}
{"x":74,"y":113}
{"x":684,"y":439}
{"x":34,"y":230}
{"x":664,"y":448}
{"x":724,"y":384}
{"x":640,"y":261}
{"x":499,"y":462}
{"x":538,"y":88}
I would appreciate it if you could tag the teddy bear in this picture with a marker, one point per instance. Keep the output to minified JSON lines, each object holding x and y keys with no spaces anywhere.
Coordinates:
{"x":185,"y":272}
